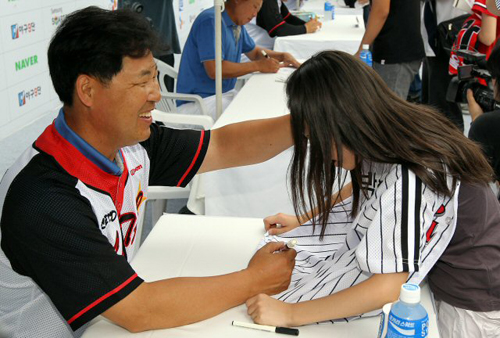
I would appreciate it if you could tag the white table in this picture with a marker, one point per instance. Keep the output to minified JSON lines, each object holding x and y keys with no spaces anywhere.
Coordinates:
{"x":181,"y":245}
{"x":318,"y":6}
{"x":344,"y":33}
{"x":258,"y":190}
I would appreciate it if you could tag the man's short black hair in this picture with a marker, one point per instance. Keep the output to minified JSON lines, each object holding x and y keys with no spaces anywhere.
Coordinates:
{"x":93,"y":41}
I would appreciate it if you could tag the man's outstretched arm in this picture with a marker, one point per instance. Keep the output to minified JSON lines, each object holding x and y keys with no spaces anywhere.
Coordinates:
{"x":184,"y":300}
{"x":247,"y":143}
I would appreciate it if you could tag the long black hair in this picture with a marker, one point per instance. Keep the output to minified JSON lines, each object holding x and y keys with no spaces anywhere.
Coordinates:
{"x":340,"y":102}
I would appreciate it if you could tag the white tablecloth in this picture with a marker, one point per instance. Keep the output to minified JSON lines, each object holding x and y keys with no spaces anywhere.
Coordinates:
{"x":318,"y":6}
{"x":344,"y":33}
{"x":181,"y":245}
{"x":258,"y":190}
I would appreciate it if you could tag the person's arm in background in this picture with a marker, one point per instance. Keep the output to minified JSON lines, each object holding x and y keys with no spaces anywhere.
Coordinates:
{"x":180,"y":301}
{"x":475,"y":109}
{"x":279,"y":22}
{"x":311,"y":26}
{"x":488,"y":33}
{"x":484,"y":132}
{"x":493,"y":6}
{"x":287,"y":58}
{"x":234,"y":69}
{"x":378,"y":15}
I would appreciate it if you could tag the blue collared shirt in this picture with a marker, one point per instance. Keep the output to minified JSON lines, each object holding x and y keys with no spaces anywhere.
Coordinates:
{"x":86,"y":149}
{"x":200,"y":47}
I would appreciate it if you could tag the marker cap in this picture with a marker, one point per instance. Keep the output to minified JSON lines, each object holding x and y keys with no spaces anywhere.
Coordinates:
{"x":287,"y":330}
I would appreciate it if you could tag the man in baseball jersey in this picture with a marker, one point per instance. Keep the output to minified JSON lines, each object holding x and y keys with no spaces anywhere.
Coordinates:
{"x":71,"y":204}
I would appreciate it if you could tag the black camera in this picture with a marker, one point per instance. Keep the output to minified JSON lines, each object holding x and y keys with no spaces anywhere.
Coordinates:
{"x":473,"y":75}
{"x":133,"y":6}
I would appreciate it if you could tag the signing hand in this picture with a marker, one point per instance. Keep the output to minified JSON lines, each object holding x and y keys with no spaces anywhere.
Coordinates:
{"x":289,"y":61}
{"x":475,"y":110}
{"x":269,"y":65}
{"x":269,"y":311}
{"x":272,"y":270}
{"x":286,"y":223}
{"x":313,"y":25}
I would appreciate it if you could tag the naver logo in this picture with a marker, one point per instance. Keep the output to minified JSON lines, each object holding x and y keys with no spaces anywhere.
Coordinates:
{"x":27,"y":95}
{"x":21,"y":30}
{"x":26,"y":62}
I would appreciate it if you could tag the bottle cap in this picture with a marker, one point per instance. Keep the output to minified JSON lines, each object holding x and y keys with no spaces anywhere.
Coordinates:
{"x":366,"y":46}
{"x":410,"y":293}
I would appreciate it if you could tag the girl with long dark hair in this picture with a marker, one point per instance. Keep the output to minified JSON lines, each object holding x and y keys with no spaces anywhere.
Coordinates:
{"x":396,"y":217}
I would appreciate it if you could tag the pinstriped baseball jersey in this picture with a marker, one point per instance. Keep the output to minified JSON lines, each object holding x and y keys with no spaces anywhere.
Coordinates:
{"x":68,"y":225}
{"x":402,"y":226}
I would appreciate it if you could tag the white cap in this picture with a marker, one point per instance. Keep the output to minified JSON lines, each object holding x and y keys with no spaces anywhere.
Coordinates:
{"x":291,"y":243}
{"x":366,"y":46}
{"x":410,"y":293}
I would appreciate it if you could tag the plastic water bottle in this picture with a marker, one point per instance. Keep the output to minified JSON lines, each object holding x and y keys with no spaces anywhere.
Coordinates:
{"x":366,"y":55}
{"x":407,"y":317}
{"x":328,"y":11}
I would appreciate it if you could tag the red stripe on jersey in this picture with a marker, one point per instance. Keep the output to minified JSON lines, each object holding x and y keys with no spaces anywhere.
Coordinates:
{"x":286,"y":16}
{"x":79,"y":166}
{"x":480,"y":8}
{"x":429,"y":233}
{"x":272,"y":29}
{"x":112,"y":292}
{"x":194,"y":159}
{"x":122,"y":182}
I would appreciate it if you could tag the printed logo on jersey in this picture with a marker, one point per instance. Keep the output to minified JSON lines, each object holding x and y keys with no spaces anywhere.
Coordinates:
{"x":117,"y":242}
{"x":128,"y":221}
{"x":20,"y":30}
{"x":136,"y":169}
{"x":139,"y":199}
{"x":108,"y":218}
{"x":430,"y":232}
{"x":370,"y":182}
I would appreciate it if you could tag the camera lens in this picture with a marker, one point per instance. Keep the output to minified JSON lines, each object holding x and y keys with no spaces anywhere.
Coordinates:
{"x":137,"y":7}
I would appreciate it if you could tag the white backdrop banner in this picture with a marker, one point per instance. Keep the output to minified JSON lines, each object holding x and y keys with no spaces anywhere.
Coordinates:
{"x":26,"y":26}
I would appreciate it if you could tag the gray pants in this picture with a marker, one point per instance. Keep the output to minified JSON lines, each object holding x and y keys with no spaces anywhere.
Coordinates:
{"x":398,"y":76}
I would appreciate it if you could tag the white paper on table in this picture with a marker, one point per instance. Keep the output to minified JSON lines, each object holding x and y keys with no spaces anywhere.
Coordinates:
{"x":284,"y":73}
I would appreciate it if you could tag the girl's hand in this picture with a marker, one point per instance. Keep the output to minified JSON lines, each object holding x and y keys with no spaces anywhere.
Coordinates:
{"x":280,"y":223}
{"x":269,"y":311}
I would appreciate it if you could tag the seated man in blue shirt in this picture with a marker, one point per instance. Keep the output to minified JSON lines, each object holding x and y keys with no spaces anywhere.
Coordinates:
{"x":197,"y":68}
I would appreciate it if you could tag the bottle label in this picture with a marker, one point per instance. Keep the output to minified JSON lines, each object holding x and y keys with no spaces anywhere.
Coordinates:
{"x":366,"y":57}
{"x":402,"y":328}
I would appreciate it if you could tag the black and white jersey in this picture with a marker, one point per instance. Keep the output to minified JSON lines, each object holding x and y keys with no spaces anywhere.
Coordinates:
{"x":403,"y":226}
{"x":68,"y":227}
